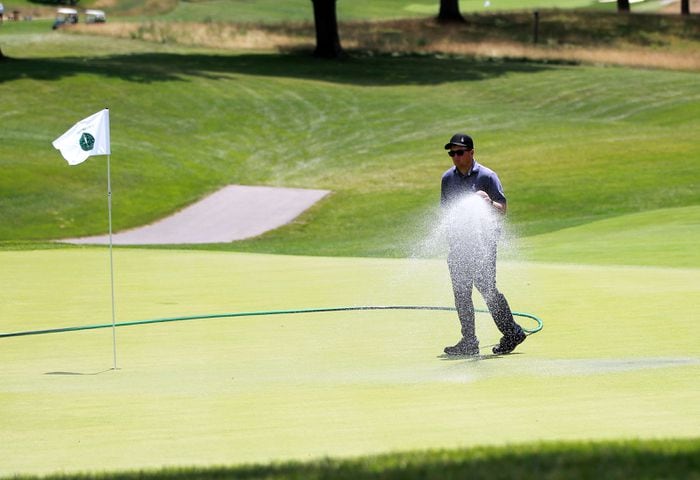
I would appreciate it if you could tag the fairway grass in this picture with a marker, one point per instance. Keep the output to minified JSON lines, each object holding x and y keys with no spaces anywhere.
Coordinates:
{"x":665,"y":237}
{"x":570,"y":143}
{"x":617,"y":359}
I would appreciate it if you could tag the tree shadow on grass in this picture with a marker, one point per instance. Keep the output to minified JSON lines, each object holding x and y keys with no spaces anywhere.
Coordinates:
{"x":382,"y":70}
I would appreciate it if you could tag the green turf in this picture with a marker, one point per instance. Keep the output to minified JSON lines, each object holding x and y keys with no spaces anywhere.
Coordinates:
{"x":617,"y":359}
{"x":349,"y":127}
{"x":601,"y":173}
{"x":657,"y":237}
{"x":300,"y":10}
{"x":269,"y":11}
{"x":642,"y":460}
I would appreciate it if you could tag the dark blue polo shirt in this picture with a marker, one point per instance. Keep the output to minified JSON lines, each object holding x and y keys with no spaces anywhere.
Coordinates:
{"x":455,"y":185}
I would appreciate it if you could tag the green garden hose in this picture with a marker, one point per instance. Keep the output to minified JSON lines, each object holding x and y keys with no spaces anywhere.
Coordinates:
{"x":260,"y":313}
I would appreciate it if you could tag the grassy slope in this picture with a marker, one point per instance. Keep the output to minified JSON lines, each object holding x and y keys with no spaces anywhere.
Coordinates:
{"x":617,"y":359}
{"x":611,"y":460}
{"x":294,"y":10}
{"x":349,"y":127}
{"x":269,"y":11}
{"x":300,"y":10}
{"x":657,"y":237}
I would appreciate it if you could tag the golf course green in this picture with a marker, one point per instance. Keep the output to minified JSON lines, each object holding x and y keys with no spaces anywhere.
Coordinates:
{"x":617,"y":358}
{"x":599,"y":164}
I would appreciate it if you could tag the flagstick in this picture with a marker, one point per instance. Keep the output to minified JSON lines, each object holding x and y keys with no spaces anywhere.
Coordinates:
{"x":111,"y":262}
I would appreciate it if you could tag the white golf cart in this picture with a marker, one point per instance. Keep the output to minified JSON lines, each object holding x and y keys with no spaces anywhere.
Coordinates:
{"x":95,"y":16}
{"x":65,"y":16}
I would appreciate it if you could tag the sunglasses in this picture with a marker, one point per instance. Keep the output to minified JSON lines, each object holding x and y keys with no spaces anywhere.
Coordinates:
{"x":459,"y":153}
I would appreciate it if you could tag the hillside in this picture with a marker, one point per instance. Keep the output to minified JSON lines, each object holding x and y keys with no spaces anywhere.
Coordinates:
{"x":573,"y":143}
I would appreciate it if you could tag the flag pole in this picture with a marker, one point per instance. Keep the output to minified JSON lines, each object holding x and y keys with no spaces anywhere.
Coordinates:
{"x":111,"y":262}
{"x":90,"y":136}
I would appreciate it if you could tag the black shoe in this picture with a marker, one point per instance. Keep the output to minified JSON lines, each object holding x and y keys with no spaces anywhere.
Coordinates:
{"x":508,"y":343}
{"x":463,"y":348}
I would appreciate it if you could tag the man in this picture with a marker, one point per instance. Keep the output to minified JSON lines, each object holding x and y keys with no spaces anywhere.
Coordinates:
{"x":472,"y":197}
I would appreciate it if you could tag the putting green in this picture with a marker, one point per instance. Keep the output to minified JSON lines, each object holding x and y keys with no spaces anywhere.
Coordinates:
{"x":618,"y":358}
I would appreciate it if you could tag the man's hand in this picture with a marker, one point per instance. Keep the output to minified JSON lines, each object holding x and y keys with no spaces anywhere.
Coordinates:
{"x":501,"y":208}
{"x":484,"y":195}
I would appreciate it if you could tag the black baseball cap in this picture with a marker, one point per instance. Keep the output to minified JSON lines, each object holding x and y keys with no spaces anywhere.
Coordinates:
{"x":460,"y":140}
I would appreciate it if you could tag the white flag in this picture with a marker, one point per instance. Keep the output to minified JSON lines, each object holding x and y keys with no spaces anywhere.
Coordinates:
{"x":88,"y":137}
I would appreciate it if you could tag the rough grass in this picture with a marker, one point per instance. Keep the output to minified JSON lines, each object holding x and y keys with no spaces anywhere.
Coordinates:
{"x":187,"y":122}
{"x":643,"y":460}
{"x":656,"y":41}
{"x":358,"y":120}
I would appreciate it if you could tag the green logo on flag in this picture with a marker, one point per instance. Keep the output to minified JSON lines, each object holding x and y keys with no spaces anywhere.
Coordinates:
{"x":87,"y":141}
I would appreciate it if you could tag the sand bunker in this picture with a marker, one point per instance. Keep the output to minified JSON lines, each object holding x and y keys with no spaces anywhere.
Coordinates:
{"x":233,"y":213}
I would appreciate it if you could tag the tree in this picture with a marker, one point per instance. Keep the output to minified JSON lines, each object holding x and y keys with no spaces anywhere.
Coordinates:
{"x":326,"y":22}
{"x":623,"y":5}
{"x":685,"y":7}
{"x":449,"y":11}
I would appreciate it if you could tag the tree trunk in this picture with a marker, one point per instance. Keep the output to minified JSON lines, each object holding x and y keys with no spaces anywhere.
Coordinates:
{"x":623,"y":5}
{"x":449,"y":11}
{"x":685,"y":7}
{"x":327,"y":38}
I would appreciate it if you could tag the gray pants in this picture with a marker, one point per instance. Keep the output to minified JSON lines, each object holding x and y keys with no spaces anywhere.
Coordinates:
{"x":477,"y":267}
